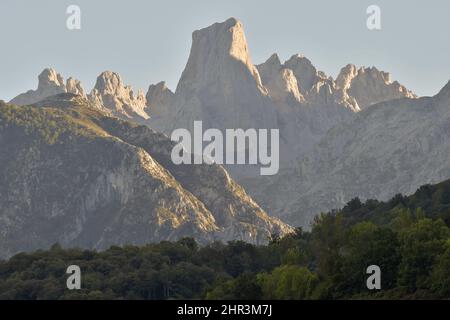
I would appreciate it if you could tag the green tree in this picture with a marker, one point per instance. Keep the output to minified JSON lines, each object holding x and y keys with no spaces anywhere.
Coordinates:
{"x":420,"y":245}
{"x":288,"y":282}
{"x":440,"y":279}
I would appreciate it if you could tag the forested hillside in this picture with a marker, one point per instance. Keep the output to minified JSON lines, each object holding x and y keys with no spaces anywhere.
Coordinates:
{"x":407,"y":237}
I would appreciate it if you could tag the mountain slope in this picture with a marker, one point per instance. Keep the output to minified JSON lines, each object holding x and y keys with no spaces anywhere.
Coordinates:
{"x":388,"y":148}
{"x":72,"y":175}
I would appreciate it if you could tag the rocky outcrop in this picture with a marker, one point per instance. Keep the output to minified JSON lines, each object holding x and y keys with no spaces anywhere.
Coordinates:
{"x":160,"y":102}
{"x":369,"y":85}
{"x":50,"y":83}
{"x":354,"y":88}
{"x":74,"y":86}
{"x":75,"y":176}
{"x":307,"y":104}
{"x":219,"y":84}
{"x":280,"y":82}
{"x":305,"y":72}
{"x":111,"y":93}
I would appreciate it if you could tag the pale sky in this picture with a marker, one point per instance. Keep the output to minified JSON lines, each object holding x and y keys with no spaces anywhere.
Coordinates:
{"x":149,"y":41}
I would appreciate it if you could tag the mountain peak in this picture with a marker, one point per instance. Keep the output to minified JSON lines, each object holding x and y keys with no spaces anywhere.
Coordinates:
{"x":49,"y":83}
{"x":346,"y":75}
{"x":224,"y":38}
{"x":109,"y":81}
{"x":231,"y":22}
{"x":305,"y":72}
{"x":270,"y":68}
{"x":220,"y":85}
{"x":158,"y":92}
{"x":74,"y":86}
{"x":110,"y":92}
{"x":159,"y":99}
{"x":274,"y":59}
{"x":445,"y":91}
{"x":50,"y":78}
{"x":369,"y":85}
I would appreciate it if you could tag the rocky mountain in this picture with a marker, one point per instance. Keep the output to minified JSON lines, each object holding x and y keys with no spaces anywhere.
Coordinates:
{"x":369,"y":85}
{"x":281,"y":83}
{"x":221,"y":86}
{"x":49,"y":83}
{"x":159,"y":102}
{"x":111,"y":93}
{"x":316,"y":86}
{"x":73,"y":175}
{"x":388,"y":148}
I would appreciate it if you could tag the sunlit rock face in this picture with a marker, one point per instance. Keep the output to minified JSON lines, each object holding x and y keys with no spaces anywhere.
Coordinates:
{"x":223,"y":88}
{"x":49,"y":83}
{"x":110,"y":92}
{"x":369,"y":85}
{"x":280,"y":82}
{"x":74,"y":86}
{"x":76,"y":176}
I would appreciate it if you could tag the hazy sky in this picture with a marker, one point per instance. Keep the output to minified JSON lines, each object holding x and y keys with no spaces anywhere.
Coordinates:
{"x":149,"y":41}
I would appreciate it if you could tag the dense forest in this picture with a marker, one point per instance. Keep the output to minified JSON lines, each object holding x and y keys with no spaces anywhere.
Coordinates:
{"x":407,"y":237}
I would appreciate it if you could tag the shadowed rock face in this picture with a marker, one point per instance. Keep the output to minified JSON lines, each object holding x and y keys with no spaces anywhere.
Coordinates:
{"x":75,"y":176}
{"x":159,"y":102}
{"x":74,"y":86}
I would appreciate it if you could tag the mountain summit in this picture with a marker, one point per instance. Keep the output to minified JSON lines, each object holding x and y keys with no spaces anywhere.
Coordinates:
{"x":110,"y":92}
{"x":49,"y":83}
{"x":369,"y":85}
{"x":219,"y":84}
{"x":217,"y":51}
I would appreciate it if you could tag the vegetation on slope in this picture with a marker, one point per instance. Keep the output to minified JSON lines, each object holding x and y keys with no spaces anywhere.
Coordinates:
{"x":407,"y":237}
